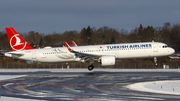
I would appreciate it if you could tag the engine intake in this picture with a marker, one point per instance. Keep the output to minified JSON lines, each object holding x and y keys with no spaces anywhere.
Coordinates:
{"x":108,"y":60}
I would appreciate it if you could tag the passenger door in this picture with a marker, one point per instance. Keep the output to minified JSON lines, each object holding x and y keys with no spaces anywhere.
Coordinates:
{"x":34,"y":55}
{"x":155,"y":47}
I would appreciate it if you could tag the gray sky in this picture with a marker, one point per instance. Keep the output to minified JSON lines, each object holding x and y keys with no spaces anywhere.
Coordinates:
{"x":48,"y":16}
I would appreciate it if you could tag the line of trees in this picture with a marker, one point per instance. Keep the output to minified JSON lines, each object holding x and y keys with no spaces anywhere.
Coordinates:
{"x":169,"y":34}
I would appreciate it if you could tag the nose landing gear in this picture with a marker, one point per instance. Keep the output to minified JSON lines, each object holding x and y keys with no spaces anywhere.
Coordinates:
{"x":155,"y":60}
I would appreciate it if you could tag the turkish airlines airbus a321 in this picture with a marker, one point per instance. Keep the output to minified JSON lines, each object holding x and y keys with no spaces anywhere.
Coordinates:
{"x":105,"y":54}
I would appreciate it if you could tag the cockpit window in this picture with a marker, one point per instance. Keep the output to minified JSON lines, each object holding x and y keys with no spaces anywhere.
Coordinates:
{"x":165,"y":46}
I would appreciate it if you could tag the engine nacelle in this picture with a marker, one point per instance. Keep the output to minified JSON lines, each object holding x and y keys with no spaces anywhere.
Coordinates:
{"x":108,"y":60}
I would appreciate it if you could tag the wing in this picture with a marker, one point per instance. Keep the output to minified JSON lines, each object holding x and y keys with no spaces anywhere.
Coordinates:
{"x":84,"y":56}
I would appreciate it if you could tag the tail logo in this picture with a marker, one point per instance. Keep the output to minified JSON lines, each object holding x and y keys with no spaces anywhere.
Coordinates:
{"x":16,"y":43}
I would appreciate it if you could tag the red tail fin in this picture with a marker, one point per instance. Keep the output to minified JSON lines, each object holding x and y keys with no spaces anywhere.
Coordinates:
{"x":73,"y":43}
{"x":16,"y":41}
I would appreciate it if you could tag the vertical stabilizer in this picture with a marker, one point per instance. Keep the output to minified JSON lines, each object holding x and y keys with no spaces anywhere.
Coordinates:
{"x":16,"y":41}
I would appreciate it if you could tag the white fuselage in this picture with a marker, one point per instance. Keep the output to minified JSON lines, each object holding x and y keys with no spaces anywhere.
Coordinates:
{"x":120,"y":51}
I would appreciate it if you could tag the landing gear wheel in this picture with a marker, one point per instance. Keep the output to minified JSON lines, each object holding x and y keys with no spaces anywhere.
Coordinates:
{"x":91,"y":67}
{"x":155,"y":61}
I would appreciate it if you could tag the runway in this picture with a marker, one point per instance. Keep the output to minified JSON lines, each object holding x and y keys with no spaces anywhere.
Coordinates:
{"x":80,"y":86}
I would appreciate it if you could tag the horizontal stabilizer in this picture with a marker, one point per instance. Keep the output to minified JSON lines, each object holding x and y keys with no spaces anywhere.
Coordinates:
{"x":15,"y":52}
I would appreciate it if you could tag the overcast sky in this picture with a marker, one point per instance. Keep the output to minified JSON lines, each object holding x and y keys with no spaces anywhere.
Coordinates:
{"x":48,"y":16}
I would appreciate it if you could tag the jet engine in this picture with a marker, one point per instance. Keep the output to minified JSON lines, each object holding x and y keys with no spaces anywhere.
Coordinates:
{"x":108,"y":60}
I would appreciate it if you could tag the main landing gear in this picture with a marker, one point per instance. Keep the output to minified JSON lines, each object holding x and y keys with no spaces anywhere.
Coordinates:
{"x":91,"y":67}
{"x":155,"y":60}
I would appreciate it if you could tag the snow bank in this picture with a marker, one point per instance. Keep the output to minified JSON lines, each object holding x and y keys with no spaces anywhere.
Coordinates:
{"x":163,"y":87}
{"x":16,"y":99}
{"x":6,"y":77}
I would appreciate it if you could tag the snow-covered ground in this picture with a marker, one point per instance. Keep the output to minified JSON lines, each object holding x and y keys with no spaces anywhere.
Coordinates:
{"x":6,"y":77}
{"x":163,"y":87}
{"x":3,"y":98}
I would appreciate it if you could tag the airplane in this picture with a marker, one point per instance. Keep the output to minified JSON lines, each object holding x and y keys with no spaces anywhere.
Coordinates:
{"x":106,"y":54}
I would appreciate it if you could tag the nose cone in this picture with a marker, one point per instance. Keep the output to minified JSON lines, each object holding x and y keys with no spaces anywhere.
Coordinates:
{"x":172,"y":51}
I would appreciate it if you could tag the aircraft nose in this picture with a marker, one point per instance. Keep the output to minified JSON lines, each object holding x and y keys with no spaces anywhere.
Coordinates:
{"x":172,"y":51}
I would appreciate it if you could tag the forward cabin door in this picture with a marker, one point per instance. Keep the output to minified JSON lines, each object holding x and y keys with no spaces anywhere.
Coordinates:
{"x":155,"y":47}
{"x":101,"y":50}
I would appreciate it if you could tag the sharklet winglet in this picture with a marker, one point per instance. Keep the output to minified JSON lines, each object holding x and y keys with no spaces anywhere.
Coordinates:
{"x":68,"y":47}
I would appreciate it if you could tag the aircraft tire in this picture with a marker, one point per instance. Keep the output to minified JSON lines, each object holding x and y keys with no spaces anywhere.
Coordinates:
{"x":91,"y":67}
